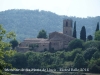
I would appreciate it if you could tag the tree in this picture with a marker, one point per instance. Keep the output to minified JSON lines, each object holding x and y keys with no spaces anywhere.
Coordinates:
{"x":34,"y":60}
{"x":18,"y":60}
{"x":42,"y":34}
{"x":97,"y":35}
{"x":96,"y":55}
{"x":94,"y":65}
{"x":89,"y":37}
{"x":79,"y":61}
{"x":83,"y":33}
{"x":33,"y":46}
{"x":75,"y":52}
{"x":97,"y":28}
{"x":90,"y":44}
{"x":77,"y":43}
{"x":14,"y":43}
{"x":3,"y":52}
{"x":88,"y":53}
{"x":74,"y":31}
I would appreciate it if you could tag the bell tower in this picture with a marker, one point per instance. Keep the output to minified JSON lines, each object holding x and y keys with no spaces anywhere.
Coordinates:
{"x":67,"y":27}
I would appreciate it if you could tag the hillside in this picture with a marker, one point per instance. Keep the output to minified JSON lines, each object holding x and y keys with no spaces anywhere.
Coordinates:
{"x":27,"y":23}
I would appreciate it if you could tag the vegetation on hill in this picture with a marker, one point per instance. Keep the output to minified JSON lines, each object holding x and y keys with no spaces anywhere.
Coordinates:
{"x":27,"y":23}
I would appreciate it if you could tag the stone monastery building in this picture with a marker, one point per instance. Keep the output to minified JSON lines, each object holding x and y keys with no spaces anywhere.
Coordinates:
{"x":55,"y":41}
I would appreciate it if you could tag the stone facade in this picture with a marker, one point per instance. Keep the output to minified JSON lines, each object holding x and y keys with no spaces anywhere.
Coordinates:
{"x":42,"y":44}
{"x":56,"y":40}
{"x":67,"y":27}
{"x":59,"y":40}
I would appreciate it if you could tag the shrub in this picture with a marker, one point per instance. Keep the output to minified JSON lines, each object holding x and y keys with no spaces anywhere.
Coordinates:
{"x":90,"y":44}
{"x":77,"y":43}
{"x":94,"y":66}
{"x":89,"y":52}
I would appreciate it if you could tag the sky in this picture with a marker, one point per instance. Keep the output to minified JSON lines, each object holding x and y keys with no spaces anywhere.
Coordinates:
{"x":78,"y":8}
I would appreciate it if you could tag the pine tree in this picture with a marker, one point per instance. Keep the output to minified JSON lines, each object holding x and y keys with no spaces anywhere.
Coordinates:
{"x":97,"y":28}
{"x":74,"y":30}
{"x":83,"y":33}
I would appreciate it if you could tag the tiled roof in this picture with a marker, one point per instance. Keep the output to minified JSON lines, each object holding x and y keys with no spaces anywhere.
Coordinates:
{"x":60,"y":37}
{"x":37,"y":40}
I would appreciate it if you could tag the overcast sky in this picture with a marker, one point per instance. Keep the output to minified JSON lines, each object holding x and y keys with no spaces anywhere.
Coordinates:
{"x":78,"y":8}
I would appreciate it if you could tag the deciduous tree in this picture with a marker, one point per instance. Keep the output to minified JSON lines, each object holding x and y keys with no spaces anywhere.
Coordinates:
{"x":77,"y":43}
{"x":97,"y":35}
{"x":89,"y":37}
{"x":3,"y":52}
{"x":79,"y":61}
{"x":42,"y":34}
{"x":14,"y":43}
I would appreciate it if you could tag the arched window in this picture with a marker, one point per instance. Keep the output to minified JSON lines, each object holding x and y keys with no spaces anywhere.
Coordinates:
{"x":66,"y":24}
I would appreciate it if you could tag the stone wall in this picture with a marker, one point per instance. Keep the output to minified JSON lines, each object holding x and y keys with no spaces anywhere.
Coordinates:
{"x":67,"y":27}
{"x":56,"y":40}
{"x":43,"y":44}
{"x":59,"y":40}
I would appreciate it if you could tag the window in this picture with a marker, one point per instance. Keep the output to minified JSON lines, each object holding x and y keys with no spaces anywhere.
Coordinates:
{"x":66,"y":24}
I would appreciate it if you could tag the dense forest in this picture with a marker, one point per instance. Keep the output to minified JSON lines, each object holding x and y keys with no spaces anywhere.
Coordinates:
{"x":27,"y":23}
{"x":85,"y":56}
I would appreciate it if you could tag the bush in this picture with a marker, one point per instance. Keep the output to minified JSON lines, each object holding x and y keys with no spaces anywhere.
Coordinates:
{"x":19,"y":60}
{"x":94,"y":65}
{"x":74,"y":53}
{"x":79,"y":61}
{"x":89,"y":52}
{"x":77,"y":43}
{"x":97,"y":35}
{"x":96,"y":55}
{"x":90,"y":44}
